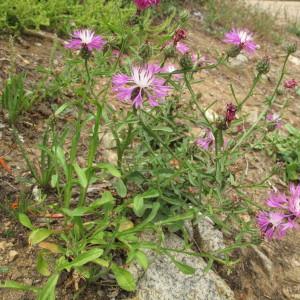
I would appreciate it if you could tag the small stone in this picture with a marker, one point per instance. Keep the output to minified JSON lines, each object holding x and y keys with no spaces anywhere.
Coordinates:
{"x":238,"y":61}
{"x":28,"y":281}
{"x":12,"y":255}
{"x":294,"y":60}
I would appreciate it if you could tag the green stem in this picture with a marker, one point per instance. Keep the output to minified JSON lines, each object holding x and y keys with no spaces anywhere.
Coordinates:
{"x":263,"y":113}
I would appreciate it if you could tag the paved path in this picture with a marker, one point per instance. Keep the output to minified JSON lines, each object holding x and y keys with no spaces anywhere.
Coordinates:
{"x":284,"y":10}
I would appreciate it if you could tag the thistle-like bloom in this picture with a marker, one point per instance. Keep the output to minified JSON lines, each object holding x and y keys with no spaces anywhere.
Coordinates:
{"x":290,"y":84}
{"x":143,"y":4}
{"x":294,"y":200}
{"x":242,"y":38}
{"x":85,"y":39}
{"x":207,"y":142}
{"x":142,"y":85}
{"x":275,"y":119}
{"x":273,"y":224}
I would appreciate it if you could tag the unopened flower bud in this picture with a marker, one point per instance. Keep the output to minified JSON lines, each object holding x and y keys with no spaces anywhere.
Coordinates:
{"x":233,"y":51}
{"x":230,"y":113}
{"x":184,"y":16}
{"x":291,"y":48}
{"x":180,"y":34}
{"x":146,"y":52}
{"x":85,"y":53}
{"x":186,"y":61}
{"x":169,"y":51}
{"x":263,"y":66}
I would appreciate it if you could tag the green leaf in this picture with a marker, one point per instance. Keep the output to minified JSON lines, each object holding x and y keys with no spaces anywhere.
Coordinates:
{"x":124,"y":278}
{"x":54,"y":180}
{"x":150,"y":217}
{"x":106,"y":198}
{"x":83,"y":258}
{"x":9,"y":284}
{"x":292,"y":171}
{"x":183,"y":267}
{"x":25,"y":221}
{"x":39,"y":235}
{"x":120,"y":187}
{"x":48,"y":291}
{"x":61,"y":108}
{"x":163,"y":128}
{"x":110,"y":168}
{"x":81,"y":175}
{"x":142,"y":259}
{"x":186,"y":216}
{"x":77,"y":212}
{"x":138,"y":205}
{"x":153,"y":193}
{"x":60,"y":155}
{"x":42,"y":265}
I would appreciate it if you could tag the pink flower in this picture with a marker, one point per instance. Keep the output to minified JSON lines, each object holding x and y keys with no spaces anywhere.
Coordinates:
{"x":273,"y":224}
{"x":207,"y":142}
{"x":275,"y":119}
{"x":242,"y":38}
{"x":85,"y":39}
{"x":182,"y":48}
{"x":143,"y":4}
{"x":277,"y":200}
{"x":290,"y":84}
{"x":294,"y":200}
{"x":140,"y":86}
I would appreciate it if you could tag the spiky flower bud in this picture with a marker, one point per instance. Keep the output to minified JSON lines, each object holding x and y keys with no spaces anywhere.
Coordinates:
{"x":186,"y":61}
{"x":233,"y":51}
{"x":169,"y":51}
{"x":145,"y":51}
{"x":263,"y":66}
{"x":184,"y":16}
{"x":291,"y":48}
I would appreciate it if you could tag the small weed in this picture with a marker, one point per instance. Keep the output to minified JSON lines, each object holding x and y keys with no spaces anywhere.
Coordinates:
{"x":14,"y":99}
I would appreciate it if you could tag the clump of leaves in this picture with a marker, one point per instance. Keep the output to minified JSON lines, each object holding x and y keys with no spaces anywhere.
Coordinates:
{"x":287,"y":150}
{"x":15,"y":100}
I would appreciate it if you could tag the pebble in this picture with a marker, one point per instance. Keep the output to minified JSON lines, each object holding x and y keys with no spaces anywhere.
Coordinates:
{"x":12,"y":255}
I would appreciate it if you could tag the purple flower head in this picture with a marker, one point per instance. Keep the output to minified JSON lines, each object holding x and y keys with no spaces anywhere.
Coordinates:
{"x":242,"y":38}
{"x":182,"y":48}
{"x":140,"y":86}
{"x":290,"y":84}
{"x":143,"y":4}
{"x":294,"y":200}
{"x":277,"y":200}
{"x":275,"y":119}
{"x":207,"y":142}
{"x":85,"y":39}
{"x":273,"y":224}
{"x":230,"y":113}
